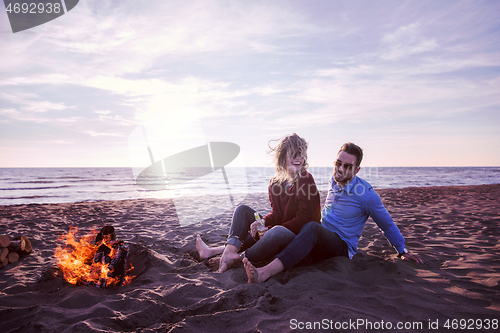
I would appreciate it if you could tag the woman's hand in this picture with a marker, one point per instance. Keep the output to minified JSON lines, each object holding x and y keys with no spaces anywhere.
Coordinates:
{"x":262,"y":231}
{"x":259,"y":225}
{"x":253,"y":228}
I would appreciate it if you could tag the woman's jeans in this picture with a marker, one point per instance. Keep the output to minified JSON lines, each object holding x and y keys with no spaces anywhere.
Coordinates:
{"x":314,"y":242}
{"x":272,"y":243}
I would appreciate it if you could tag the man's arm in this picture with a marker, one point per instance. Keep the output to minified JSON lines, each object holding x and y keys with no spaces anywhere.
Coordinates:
{"x":383,"y":219}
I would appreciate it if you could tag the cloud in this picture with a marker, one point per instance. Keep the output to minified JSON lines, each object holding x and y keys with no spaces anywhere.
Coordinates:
{"x":101,"y":134}
{"x":8,"y":111}
{"x":57,"y":142}
{"x":106,"y":67}
{"x":402,"y":34}
{"x":38,"y":79}
{"x":405,"y":49}
{"x":406,"y":41}
{"x":102,"y":112}
{"x":10,"y":115}
{"x":128,"y":39}
{"x":28,"y":102}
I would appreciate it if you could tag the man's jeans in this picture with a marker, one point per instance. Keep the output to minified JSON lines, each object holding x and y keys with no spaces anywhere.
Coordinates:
{"x":314,"y":242}
{"x":272,"y":243}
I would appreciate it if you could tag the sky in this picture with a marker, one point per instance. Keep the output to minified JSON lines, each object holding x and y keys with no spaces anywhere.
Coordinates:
{"x":414,"y":83}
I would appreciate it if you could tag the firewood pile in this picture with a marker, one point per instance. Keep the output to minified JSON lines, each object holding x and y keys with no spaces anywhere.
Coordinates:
{"x":11,"y":250}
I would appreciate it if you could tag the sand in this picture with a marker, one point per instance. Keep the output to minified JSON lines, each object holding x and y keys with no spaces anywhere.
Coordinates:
{"x":454,"y":229}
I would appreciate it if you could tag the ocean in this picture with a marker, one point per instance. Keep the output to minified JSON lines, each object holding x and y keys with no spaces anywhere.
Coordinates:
{"x":63,"y":185}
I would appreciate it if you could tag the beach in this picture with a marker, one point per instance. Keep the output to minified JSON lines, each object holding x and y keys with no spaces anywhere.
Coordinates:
{"x":455,"y":229}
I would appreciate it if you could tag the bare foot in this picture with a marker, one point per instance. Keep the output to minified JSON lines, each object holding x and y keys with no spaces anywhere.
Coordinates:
{"x":205,"y":251}
{"x":230,"y":257}
{"x":252,"y":273}
{"x":214,"y":262}
{"x":259,"y":275}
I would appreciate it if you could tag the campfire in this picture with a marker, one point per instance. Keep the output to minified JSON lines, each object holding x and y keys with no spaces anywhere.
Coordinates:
{"x":96,"y":259}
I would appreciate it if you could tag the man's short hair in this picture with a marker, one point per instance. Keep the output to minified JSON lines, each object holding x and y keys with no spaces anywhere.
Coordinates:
{"x":353,"y":149}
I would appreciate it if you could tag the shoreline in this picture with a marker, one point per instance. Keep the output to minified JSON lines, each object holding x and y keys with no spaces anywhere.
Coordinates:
{"x":454,"y":228}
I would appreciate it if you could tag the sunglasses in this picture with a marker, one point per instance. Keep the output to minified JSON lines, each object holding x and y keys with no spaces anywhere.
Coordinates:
{"x":347,"y":166}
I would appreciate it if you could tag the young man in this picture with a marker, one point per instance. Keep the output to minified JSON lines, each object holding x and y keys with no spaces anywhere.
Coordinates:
{"x":350,"y":201}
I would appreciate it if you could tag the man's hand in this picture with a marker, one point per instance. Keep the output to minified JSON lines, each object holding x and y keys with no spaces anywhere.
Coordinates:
{"x":413,"y":257}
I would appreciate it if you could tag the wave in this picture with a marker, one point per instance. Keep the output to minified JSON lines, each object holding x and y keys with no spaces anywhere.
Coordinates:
{"x":46,"y":185}
{"x":34,"y":188}
{"x":29,"y":197}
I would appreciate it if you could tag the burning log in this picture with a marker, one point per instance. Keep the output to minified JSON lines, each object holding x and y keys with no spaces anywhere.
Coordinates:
{"x":106,"y":234}
{"x":102,"y":256}
{"x":118,"y":266}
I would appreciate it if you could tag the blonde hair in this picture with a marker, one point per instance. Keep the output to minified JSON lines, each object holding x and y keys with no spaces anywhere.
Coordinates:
{"x":289,"y":145}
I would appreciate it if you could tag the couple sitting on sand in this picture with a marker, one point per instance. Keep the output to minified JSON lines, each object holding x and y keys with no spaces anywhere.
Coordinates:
{"x":297,"y":231}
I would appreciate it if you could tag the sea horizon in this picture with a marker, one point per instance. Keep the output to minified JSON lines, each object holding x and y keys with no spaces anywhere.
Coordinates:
{"x":36,"y":185}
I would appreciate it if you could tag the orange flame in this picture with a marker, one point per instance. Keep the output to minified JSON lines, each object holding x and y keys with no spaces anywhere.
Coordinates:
{"x":76,"y":261}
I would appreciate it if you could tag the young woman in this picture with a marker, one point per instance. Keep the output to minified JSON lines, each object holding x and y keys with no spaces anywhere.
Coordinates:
{"x":294,"y":200}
